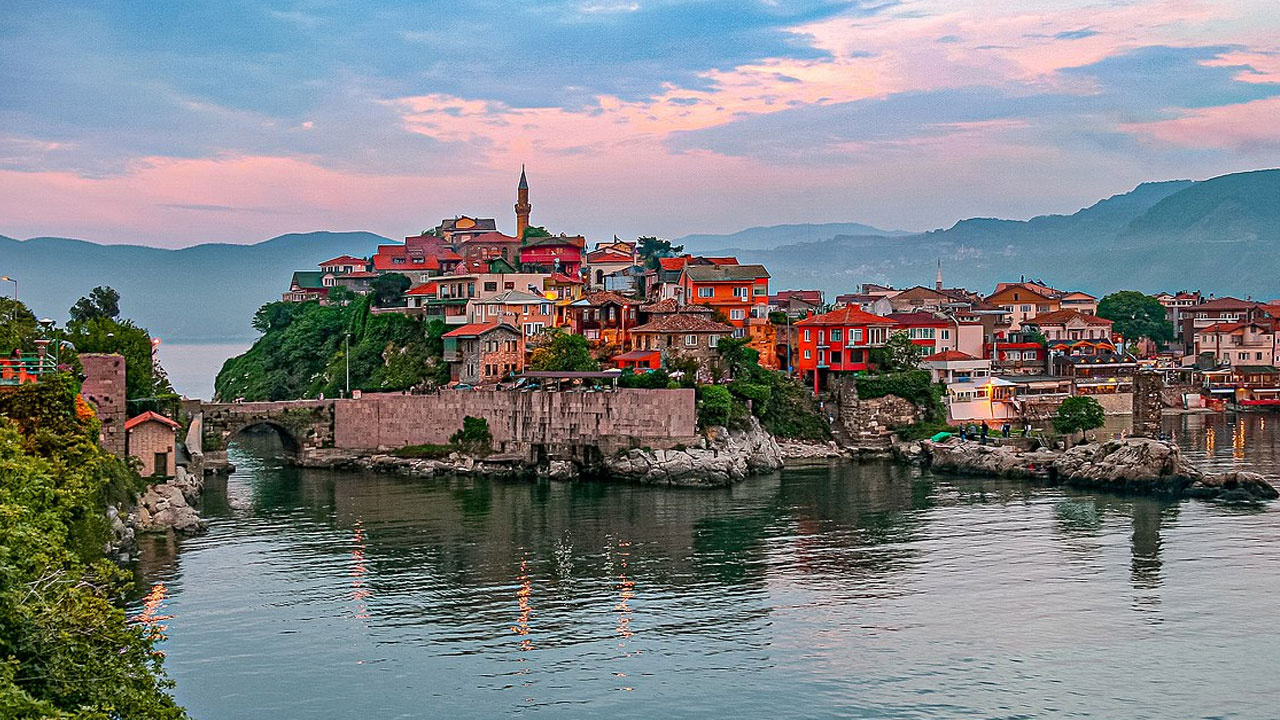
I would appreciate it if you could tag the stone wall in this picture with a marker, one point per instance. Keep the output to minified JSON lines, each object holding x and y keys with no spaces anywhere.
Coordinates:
{"x":104,"y":388}
{"x":1115,"y":403}
{"x":872,"y":421}
{"x":148,"y":439}
{"x":1147,"y":404}
{"x":526,"y":423}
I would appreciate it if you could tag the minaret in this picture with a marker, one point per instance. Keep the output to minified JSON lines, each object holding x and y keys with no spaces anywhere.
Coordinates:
{"x":938,"y":284}
{"x":522,"y":205}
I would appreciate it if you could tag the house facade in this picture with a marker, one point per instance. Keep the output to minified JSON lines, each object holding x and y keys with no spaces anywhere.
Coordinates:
{"x":838,"y":342}
{"x":740,"y":292}
{"x":1023,"y":301}
{"x":524,"y":310}
{"x":151,"y":438}
{"x":560,"y":253}
{"x":682,"y":335}
{"x":484,"y":353}
{"x":1241,"y":343}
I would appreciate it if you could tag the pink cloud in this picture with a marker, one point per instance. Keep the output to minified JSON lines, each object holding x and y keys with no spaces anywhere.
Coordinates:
{"x":1243,"y":128}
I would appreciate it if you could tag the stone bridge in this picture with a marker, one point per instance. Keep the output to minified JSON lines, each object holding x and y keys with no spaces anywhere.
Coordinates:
{"x":533,"y":424}
{"x":301,"y":424}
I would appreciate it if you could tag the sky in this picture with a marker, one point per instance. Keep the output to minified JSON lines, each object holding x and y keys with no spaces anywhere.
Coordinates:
{"x":176,"y":123}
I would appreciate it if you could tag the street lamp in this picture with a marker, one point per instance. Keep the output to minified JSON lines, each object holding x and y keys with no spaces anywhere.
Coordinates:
{"x":6,"y":278}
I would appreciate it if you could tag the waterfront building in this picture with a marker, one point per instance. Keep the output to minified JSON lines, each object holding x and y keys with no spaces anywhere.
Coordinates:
{"x":151,"y":438}
{"x":951,"y":366}
{"x":1214,"y":311}
{"x":1240,"y":343}
{"x":1074,"y":333}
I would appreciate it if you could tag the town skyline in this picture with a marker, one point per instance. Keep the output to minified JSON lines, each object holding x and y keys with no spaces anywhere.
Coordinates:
{"x":777,"y":113}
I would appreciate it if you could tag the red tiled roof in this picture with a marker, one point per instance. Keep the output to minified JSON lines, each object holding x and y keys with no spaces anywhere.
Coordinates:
{"x":683,"y":323}
{"x":424,"y":289}
{"x":637,"y":355}
{"x":847,"y":315}
{"x":607,"y":296}
{"x":1062,"y":317}
{"x":1223,"y":303}
{"x":672,"y":263}
{"x":561,"y":278}
{"x":343,"y":260}
{"x":668,"y":305}
{"x":949,"y":356}
{"x":607,"y":255}
{"x":149,"y":416}
{"x":472,"y":329}
{"x":918,"y":319}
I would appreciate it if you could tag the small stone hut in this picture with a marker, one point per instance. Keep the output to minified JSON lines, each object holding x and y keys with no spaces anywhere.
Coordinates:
{"x":152,"y":439}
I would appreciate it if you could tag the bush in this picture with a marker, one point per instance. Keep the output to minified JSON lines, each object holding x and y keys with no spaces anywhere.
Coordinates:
{"x":715,"y":405}
{"x":474,"y":437}
{"x":651,"y":380}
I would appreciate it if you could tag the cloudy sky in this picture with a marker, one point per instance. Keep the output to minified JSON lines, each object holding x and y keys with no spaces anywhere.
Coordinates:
{"x":173,"y":123}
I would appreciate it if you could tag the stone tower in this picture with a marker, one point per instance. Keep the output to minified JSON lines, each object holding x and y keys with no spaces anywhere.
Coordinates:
{"x":522,"y":205}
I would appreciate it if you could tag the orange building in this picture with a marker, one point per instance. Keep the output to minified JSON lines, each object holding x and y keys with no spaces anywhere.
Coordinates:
{"x":740,"y":292}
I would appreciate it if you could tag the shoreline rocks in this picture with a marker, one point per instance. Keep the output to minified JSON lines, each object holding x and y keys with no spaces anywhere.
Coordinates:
{"x":1131,"y":465}
{"x":166,"y":506}
{"x":723,"y":458}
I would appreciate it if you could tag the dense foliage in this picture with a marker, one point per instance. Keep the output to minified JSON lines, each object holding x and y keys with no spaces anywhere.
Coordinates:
{"x":783,"y":406}
{"x":1136,"y":315}
{"x":17,"y":327}
{"x":66,"y":648}
{"x":474,"y":436}
{"x":101,"y":303}
{"x":559,"y":351}
{"x":388,"y":290}
{"x":1078,"y":414}
{"x":302,"y":353}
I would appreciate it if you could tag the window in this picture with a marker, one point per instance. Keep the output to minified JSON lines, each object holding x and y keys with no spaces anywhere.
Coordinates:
{"x":491,"y":287}
{"x":1026,"y":308}
{"x":808,"y":354}
{"x":761,"y":290}
{"x":739,"y":332}
{"x":690,"y":340}
{"x":741,"y":292}
{"x":713,"y":340}
{"x":545,"y":309}
{"x":508,"y":286}
{"x":855,"y":336}
{"x":737,"y":314}
{"x":822,"y":337}
{"x":835,"y":357}
{"x":808,"y":335}
{"x":706,"y":292}
{"x":836,"y":335}
{"x":946,"y":334}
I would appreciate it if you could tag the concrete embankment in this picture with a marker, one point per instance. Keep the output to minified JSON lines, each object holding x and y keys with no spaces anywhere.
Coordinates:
{"x":1131,"y":465}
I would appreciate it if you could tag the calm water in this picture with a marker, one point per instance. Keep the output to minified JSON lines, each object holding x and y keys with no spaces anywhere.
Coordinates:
{"x":850,"y":591}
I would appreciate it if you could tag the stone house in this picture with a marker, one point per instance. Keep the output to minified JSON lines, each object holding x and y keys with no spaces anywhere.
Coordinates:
{"x":692,"y":335}
{"x":152,"y":439}
{"x":484,"y":353}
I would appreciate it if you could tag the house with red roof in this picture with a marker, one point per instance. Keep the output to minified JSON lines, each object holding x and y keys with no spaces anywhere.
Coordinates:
{"x":604,"y":317}
{"x":691,"y":334}
{"x":838,"y":343}
{"x":605,"y":261}
{"x":344,"y":264}
{"x":489,"y":245}
{"x":1212,"y":312}
{"x":420,"y":257}
{"x":740,"y":292}
{"x":151,"y":438}
{"x":484,"y":353}
{"x":1074,"y":333}
{"x":1239,"y":343}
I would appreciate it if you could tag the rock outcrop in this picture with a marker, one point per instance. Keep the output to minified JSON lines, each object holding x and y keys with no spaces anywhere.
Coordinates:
{"x":810,"y":450}
{"x":164,"y":506}
{"x":1131,"y":465}
{"x":722,"y":458}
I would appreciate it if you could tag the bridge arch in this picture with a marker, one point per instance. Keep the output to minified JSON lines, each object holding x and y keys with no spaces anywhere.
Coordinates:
{"x":291,"y":442}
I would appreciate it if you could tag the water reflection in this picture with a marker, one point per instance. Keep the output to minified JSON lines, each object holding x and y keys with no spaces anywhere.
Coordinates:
{"x":850,"y":590}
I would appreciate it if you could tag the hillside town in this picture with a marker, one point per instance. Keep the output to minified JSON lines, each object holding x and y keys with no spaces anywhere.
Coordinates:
{"x":1013,"y":352}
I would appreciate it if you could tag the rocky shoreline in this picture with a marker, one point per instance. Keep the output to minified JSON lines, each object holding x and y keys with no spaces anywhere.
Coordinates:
{"x":162,"y":508}
{"x":1131,"y":465}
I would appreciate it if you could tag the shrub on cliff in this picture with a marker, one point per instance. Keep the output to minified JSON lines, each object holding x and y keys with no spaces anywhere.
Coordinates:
{"x":652,"y":380}
{"x":783,"y":406}
{"x":66,"y":648}
{"x":715,"y":405}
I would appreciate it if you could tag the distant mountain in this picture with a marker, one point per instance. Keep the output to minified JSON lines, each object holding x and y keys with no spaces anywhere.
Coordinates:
{"x":203,"y":293}
{"x":772,"y":236}
{"x":1221,"y":235}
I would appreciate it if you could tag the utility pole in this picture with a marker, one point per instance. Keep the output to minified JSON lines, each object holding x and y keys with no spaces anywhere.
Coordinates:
{"x":346,"y":358}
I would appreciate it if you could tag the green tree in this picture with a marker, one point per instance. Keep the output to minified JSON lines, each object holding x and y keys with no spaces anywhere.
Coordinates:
{"x":388,"y":290}
{"x":1136,"y":316}
{"x":66,"y":648}
{"x":474,"y":437}
{"x":560,"y":351}
{"x":534,"y":231}
{"x":144,"y":377}
{"x":1078,"y":414}
{"x":17,"y":327}
{"x":650,"y":248}
{"x":102,"y":302}
{"x":898,"y":354}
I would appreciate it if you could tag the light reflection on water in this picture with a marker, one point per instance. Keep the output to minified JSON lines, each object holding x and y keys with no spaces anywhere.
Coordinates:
{"x":866,"y":591}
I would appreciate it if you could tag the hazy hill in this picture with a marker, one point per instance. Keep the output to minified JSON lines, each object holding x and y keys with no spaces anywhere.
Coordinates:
{"x":200,"y":293}
{"x":772,"y":236}
{"x":1221,"y":235}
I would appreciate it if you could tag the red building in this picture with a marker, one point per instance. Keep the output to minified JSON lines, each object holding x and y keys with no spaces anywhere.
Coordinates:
{"x":420,"y":257}
{"x":925,"y":329}
{"x":560,"y":253}
{"x":838,"y":342}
